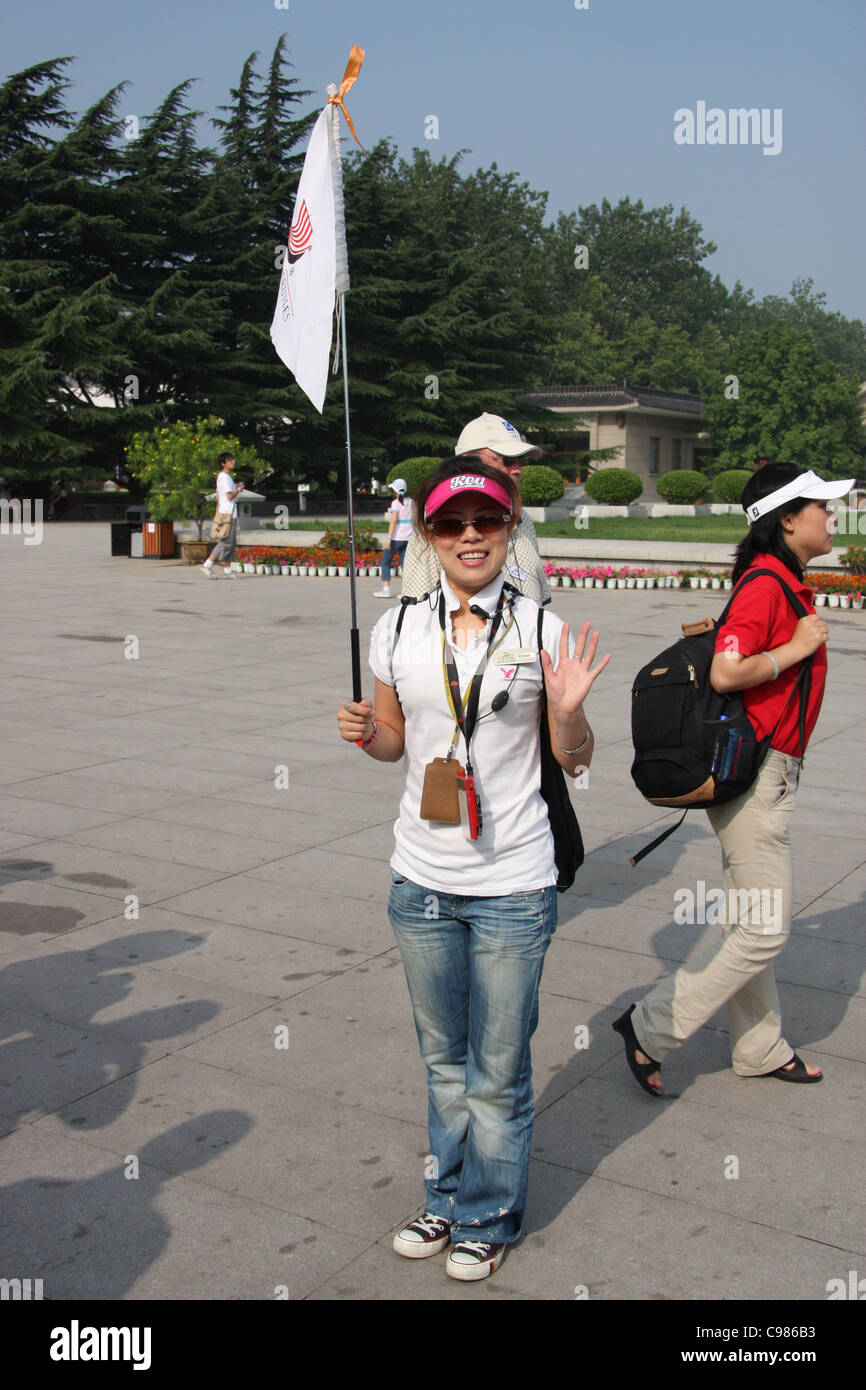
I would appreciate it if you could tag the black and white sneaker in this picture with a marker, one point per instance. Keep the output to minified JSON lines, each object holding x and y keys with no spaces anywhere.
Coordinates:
{"x":474,"y":1259}
{"x":424,"y":1236}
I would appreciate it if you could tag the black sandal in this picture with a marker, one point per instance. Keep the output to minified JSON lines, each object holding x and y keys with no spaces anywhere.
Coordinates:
{"x":797,"y":1072}
{"x":640,"y":1070}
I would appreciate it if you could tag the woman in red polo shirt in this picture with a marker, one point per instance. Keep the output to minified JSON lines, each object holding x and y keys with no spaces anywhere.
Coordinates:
{"x":760,"y":651}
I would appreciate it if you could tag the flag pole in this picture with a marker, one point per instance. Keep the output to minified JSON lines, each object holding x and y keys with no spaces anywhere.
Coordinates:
{"x":342,"y":285}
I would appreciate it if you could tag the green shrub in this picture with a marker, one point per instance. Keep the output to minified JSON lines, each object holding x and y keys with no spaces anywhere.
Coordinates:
{"x":615,"y":487}
{"x":683,"y":486}
{"x":414,"y":471}
{"x":540,"y":485}
{"x":728,"y":485}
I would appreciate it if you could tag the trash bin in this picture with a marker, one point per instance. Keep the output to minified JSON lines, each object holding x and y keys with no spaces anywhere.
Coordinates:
{"x":121,"y":534}
{"x":158,"y":540}
{"x":136,"y":543}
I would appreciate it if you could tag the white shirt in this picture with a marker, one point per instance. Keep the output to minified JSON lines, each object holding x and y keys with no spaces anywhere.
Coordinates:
{"x":225,"y":485}
{"x":514,"y":852}
{"x":405,"y":508}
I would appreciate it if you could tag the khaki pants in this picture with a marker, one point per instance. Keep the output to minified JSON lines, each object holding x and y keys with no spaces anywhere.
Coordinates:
{"x":756,"y":923}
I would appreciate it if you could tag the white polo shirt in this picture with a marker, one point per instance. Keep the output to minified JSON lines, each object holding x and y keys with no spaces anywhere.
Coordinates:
{"x":514,"y":852}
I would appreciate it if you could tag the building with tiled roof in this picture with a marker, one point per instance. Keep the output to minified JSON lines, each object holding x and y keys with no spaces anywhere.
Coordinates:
{"x":652,"y":431}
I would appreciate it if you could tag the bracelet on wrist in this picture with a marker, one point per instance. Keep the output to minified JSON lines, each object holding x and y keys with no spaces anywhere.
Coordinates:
{"x":775,"y":664}
{"x":570,"y":752}
{"x":368,"y":743}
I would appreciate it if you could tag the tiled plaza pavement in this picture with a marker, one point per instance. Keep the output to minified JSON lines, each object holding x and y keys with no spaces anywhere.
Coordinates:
{"x":149,"y":1040}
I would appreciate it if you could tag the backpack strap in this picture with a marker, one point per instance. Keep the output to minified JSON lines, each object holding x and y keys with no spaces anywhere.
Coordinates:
{"x":636,"y":858}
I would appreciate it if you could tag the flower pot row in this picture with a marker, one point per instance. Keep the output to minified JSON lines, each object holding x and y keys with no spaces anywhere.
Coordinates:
{"x":839,"y":600}
{"x":563,"y":579}
{"x":306,"y":571}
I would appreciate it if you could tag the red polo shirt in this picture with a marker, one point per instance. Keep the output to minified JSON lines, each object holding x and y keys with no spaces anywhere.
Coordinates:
{"x":761,"y":619}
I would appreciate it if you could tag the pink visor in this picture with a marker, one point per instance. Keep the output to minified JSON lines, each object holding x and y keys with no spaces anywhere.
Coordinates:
{"x":463,"y":483}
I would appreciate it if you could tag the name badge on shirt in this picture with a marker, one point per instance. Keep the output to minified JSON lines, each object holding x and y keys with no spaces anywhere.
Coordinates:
{"x":518,"y":656}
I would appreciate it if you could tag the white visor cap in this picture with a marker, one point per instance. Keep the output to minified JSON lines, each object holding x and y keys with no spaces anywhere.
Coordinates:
{"x":808,"y":485}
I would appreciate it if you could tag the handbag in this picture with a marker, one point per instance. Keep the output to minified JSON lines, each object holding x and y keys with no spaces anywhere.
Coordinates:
{"x":221,"y":526}
{"x":567,"y":840}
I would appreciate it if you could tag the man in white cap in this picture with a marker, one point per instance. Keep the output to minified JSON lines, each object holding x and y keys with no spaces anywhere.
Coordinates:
{"x":494,"y":441}
{"x":399,"y":532}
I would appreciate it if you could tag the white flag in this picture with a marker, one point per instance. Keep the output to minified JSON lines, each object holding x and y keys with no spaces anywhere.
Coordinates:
{"x":303,"y":319}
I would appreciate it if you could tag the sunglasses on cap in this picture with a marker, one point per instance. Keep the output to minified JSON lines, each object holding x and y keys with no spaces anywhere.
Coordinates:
{"x":449,"y":527}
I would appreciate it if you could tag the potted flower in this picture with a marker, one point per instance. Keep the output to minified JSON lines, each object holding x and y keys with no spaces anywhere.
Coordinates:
{"x":857,"y":599}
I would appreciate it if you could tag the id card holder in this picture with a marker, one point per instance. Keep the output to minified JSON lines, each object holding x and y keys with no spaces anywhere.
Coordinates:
{"x":439,"y":796}
{"x":470,"y":806}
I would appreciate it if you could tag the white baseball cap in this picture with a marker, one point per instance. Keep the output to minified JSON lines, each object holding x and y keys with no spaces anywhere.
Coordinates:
{"x":807,"y":485}
{"x":399,"y":485}
{"x":492,"y":432}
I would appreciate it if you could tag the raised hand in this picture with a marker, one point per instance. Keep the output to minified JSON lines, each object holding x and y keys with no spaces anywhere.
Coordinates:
{"x":571,"y":681}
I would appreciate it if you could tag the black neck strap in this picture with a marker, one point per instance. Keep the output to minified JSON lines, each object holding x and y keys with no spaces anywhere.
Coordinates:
{"x":466,"y":713}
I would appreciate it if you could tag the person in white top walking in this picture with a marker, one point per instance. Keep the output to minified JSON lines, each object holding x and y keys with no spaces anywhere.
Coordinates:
{"x":227,"y":495}
{"x":473,"y":875}
{"x":401,"y":512}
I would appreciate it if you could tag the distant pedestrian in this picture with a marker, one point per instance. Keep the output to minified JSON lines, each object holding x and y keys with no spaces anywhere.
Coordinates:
{"x":400,"y":517}
{"x":58,"y":502}
{"x":759,"y":651}
{"x":227,"y":506}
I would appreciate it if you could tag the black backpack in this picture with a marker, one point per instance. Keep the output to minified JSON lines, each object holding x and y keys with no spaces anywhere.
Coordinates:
{"x":693,"y":746}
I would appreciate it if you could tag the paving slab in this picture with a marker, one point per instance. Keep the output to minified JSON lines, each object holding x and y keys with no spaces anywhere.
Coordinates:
{"x":78,"y":1222}
{"x":299,"y":1153}
{"x":711,"y":1159}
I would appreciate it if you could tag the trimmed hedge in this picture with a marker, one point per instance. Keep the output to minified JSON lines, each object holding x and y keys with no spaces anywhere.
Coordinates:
{"x":414,"y":470}
{"x":683,"y":486}
{"x":614,"y":487}
{"x":728,"y":485}
{"x":540,"y":485}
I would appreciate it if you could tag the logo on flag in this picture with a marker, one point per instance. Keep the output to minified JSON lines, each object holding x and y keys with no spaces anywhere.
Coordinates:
{"x":300,"y":232}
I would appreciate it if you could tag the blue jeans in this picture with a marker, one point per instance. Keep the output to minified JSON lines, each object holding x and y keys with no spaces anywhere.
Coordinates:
{"x":473,"y":966}
{"x":394,"y":551}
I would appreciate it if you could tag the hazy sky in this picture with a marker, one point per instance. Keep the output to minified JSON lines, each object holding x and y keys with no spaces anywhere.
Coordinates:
{"x":579,"y":102}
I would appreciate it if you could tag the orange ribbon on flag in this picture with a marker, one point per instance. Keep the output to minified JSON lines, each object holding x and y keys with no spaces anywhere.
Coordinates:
{"x":353,"y":67}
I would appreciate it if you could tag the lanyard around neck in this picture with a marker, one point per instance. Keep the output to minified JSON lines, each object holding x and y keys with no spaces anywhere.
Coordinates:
{"x":465,"y":712}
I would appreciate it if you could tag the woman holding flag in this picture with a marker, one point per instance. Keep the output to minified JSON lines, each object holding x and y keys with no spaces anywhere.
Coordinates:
{"x":459,"y":696}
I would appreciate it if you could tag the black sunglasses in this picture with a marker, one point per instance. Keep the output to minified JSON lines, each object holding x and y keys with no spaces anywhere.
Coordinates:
{"x":449,"y":527}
